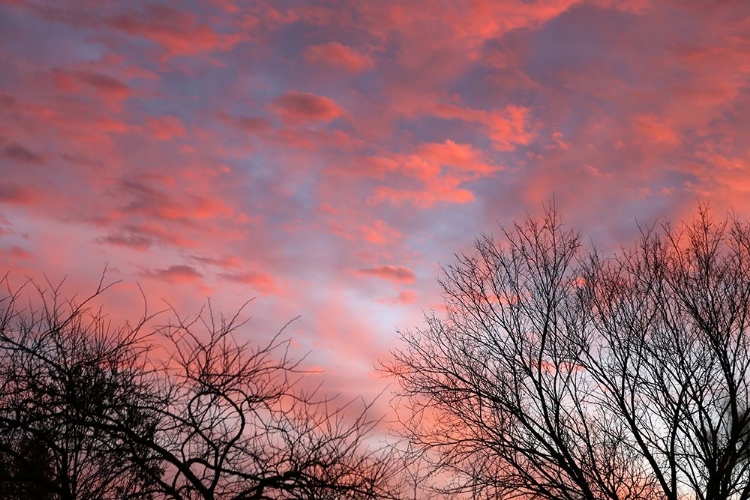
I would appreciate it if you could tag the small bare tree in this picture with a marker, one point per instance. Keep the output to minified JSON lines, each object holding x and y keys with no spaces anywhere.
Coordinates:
{"x":557,"y":373}
{"x":88,"y":411}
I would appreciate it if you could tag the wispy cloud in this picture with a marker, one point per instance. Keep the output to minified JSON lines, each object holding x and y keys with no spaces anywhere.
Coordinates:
{"x":394,"y":273}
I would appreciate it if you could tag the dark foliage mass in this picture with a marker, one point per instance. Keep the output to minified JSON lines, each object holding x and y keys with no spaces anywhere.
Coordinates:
{"x":183,"y":411}
{"x":557,"y":373}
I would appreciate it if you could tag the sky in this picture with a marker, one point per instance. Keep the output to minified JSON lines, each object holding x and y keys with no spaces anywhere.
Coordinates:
{"x":325,"y":158}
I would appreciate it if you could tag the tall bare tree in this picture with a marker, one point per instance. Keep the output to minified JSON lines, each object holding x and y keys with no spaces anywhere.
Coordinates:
{"x":558,"y":373}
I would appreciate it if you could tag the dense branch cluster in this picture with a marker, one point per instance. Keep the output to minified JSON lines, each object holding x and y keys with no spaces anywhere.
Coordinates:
{"x":183,"y":411}
{"x":557,"y":373}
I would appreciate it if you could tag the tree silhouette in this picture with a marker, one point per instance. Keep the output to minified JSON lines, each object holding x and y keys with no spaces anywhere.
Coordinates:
{"x":62,"y":369}
{"x":236,"y":424}
{"x":179,"y":411}
{"x":26,"y":469}
{"x":559,"y":373}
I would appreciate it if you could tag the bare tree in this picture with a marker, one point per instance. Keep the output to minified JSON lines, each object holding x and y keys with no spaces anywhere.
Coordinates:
{"x":62,"y":370}
{"x":558,"y":373}
{"x":238,"y":424}
{"x":88,"y":411}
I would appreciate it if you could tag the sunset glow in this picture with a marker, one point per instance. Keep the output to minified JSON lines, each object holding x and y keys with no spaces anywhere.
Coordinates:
{"x":326,"y":158}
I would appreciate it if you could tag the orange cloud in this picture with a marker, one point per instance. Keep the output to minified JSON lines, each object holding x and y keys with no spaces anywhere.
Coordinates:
{"x":338,"y":55}
{"x":394,"y":273}
{"x":302,"y":107}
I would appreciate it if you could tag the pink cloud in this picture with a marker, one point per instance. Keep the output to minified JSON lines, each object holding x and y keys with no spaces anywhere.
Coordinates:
{"x":302,"y":107}
{"x":105,"y":84}
{"x":17,"y":195}
{"x":224,"y":262}
{"x":135,"y":241}
{"x":248,"y":124}
{"x":177,"y":32}
{"x":338,"y":55}
{"x":227,"y":6}
{"x":150,"y":201}
{"x":446,"y":192}
{"x":165,"y":128}
{"x":634,"y":6}
{"x":143,"y":235}
{"x":510,"y":128}
{"x":507,"y":128}
{"x":108,"y":125}
{"x":176,"y":275}
{"x":15,"y":252}
{"x":433,"y":173}
{"x":381,"y":233}
{"x":394,"y":273}
{"x":262,"y":282}
{"x":21,"y":154}
{"x":462,"y":156}
{"x":313,"y":139}
{"x":106,"y":87}
{"x":403,"y":298}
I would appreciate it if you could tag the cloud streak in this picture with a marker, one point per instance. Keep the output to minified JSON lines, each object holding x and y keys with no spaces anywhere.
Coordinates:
{"x":394,"y":273}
